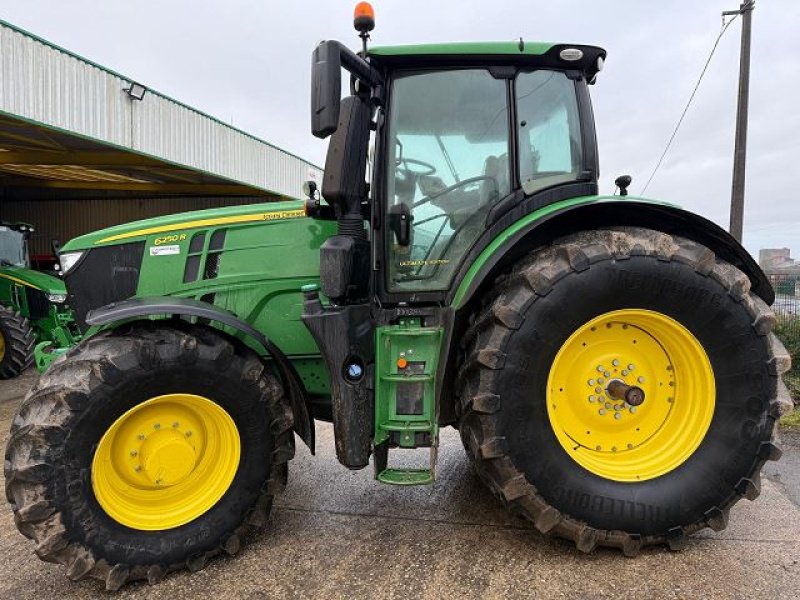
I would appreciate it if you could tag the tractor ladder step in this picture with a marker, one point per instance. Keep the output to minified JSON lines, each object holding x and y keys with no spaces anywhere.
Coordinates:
{"x":407,"y":355}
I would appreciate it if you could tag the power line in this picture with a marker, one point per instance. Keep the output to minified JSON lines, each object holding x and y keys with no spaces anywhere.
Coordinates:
{"x":725,"y":26}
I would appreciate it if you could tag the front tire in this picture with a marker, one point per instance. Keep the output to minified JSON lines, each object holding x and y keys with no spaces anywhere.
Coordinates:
{"x":529,"y":358}
{"x":146,"y":450}
{"x":16,"y":343}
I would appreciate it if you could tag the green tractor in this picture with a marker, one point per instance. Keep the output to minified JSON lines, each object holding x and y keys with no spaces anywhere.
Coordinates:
{"x":608,"y":360}
{"x":33,"y":313}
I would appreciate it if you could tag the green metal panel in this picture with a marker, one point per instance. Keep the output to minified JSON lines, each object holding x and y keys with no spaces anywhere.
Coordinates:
{"x":30,"y":278}
{"x":464,"y":48}
{"x":269,"y":252}
{"x":503,"y":237}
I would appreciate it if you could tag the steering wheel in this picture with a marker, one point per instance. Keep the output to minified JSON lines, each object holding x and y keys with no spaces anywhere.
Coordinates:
{"x":427,"y":168}
{"x":455,"y":186}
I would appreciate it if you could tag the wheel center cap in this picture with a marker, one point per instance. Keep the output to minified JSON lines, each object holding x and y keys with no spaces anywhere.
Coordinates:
{"x":167,"y":458}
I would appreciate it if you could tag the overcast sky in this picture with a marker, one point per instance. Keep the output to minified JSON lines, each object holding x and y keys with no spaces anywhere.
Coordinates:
{"x":247,"y":62}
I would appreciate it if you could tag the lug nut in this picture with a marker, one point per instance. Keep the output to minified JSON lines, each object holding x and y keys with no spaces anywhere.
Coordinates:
{"x":617,"y":416}
{"x":591,"y":382}
{"x":608,"y":405}
{"x":599,"y":390}
{"x":607,"y":374}
{"x":601,"y":380}
{"x":615,"y":362}
{"x":640,"y":379}
{"x":592,"y":398}
{"x":632,"y":409}
{"x":600,"y":368}
{"x":630,"y":367}
{"x":602,"y":411}
{"x":624,"y":372}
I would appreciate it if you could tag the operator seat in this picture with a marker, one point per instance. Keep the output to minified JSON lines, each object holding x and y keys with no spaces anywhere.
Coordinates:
{"x":495,"y":167}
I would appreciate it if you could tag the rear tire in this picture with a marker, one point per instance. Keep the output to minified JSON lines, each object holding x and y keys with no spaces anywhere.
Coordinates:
{"x":58,"y":430}
{"x":16,"y":343}
{"x":511,"y":346}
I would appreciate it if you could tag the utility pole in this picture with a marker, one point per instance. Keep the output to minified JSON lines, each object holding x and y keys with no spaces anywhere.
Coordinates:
{"x":740,"y":149}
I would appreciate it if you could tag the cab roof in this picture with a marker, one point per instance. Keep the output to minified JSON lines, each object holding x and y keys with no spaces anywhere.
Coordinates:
{"x":525,"y":54}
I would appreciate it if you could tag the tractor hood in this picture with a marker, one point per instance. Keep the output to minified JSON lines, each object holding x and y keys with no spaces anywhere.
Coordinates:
{"x":182,"y":222}
{"x":33,"y":279}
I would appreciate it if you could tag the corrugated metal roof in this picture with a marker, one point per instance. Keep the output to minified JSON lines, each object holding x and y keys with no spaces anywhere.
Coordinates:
{"x":50,"y":86}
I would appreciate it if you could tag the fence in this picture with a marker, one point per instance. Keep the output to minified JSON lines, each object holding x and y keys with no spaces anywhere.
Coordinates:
{"x":787,"y":311}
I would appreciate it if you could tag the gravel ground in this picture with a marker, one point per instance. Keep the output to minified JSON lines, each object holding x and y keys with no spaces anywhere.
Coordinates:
{"x":339,"y":534}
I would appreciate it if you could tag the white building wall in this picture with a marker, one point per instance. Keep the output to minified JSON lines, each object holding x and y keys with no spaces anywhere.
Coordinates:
{"x":51,"y":86}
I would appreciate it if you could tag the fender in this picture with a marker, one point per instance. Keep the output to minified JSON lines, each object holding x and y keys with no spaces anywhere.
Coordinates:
{"x":134,"y":308}
{"x":542,"y":226}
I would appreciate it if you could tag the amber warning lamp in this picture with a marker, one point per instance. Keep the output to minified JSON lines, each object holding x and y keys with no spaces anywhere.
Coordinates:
{"x":364,"y":21}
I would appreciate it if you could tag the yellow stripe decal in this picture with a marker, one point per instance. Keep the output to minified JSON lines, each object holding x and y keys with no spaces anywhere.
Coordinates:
{"x":270,"y":216}
{"x":15,"y":280}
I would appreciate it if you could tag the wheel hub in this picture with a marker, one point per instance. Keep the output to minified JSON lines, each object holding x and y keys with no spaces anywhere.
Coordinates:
{"x":166,"y":461}
{"x":167,"y":457}
{"x":612,"y":394}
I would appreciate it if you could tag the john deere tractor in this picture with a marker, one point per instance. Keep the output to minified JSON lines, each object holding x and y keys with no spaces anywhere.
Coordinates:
{"x":608,"y":360}
{"x":32,"y":305}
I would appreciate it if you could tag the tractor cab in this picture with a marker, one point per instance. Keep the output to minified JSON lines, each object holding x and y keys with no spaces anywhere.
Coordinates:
{"x":14,"y":244}
{"x":464,"y":139}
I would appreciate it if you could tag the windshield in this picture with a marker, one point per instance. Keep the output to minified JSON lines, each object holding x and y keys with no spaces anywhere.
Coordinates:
{"x":12,"y":248}
{"x":448,"y":149}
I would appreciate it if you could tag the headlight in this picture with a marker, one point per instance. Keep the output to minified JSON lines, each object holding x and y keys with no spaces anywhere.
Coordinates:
{"x":57,"y":298}
{"x":68,"y":260}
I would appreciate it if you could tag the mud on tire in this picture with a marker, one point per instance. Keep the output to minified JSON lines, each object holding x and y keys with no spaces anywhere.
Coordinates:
{"x":515,"y":336}
{"x":18,"y":342}
{"x":53,"y":436}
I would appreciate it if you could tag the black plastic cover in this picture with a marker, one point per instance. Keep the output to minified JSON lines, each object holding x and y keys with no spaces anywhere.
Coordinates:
{"x":344,"y":268}
{"x":343,"y":185}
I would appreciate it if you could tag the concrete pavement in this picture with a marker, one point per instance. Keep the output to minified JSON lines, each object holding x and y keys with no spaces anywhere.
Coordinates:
{"x":339,"y":534}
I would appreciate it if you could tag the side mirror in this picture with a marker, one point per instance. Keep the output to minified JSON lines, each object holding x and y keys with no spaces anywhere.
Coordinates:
{"x":327,"y":61}
{"x":400,"y":219}
{"x":326,"y":88}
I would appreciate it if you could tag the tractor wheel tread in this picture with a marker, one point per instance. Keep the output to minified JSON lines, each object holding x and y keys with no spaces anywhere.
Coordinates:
{"x":496,"y":317}
{"x":61,"y":392}
{"x":19,"y":343}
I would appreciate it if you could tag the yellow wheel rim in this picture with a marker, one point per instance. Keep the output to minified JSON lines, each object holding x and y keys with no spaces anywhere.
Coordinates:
{"x":605,"y":434}
{"x":2,"y":346}
{"x":165,"y":462}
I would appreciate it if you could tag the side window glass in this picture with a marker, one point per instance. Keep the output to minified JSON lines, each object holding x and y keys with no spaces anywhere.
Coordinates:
{"x":549,"y":130}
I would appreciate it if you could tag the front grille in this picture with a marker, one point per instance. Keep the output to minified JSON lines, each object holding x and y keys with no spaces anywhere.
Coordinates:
{"x":103,"y":275}
{"x":38,"y":304}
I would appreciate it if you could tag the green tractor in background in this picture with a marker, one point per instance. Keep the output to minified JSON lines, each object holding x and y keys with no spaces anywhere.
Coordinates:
{"x":608,"y":360}
{"x":33,"y":313}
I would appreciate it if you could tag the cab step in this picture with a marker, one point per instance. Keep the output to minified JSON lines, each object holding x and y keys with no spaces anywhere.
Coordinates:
{"x":407,"y":355}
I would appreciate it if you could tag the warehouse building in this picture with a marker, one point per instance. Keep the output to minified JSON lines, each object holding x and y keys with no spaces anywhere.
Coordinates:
{"x":83,"y":147}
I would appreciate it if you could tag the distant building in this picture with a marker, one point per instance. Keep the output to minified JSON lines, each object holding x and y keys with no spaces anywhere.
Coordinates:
{"x":776,"y":258}
{"x":783,"y":271}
